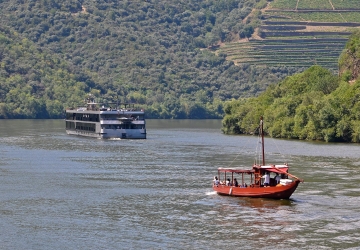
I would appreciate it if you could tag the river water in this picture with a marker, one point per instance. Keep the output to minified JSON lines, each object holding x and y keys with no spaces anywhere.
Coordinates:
{"x":68,"y":192}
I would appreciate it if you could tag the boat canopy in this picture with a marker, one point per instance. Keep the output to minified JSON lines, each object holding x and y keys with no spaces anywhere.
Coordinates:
{"x":281,"y":169}
{"x":235,"y":170}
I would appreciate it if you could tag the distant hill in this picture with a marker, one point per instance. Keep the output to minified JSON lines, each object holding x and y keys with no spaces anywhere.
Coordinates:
{"x":159,"y":54}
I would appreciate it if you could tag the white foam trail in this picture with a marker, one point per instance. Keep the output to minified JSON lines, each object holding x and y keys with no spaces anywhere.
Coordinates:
{"x":211,"y":193}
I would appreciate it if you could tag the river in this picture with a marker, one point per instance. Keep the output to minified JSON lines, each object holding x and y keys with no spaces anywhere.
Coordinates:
{"x":68,"y":192}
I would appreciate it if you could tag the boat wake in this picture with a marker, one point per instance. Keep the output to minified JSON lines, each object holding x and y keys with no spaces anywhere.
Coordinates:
{"x":211,"y":193}
{"x":115,"y":139}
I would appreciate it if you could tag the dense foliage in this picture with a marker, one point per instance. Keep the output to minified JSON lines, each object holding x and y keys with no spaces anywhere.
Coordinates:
{"x":33,"y":82}
{"x":313,"y":105}
{"x":349,"y":62}
{"x":52,"y":53}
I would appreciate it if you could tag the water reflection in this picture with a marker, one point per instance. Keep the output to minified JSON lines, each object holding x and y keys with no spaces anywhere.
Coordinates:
{"x":264,"y":203}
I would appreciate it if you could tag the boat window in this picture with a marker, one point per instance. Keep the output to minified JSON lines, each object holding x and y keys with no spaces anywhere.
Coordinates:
{"x":137,"y":126}
{"x":84,"y":126}
{"x":243,"y":179}
{"x":70,"y":125}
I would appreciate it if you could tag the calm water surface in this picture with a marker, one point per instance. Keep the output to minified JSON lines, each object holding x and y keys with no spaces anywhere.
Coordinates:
{"x":68,"y":192}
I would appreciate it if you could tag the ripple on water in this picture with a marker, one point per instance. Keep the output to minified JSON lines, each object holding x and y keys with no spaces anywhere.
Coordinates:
{"x":156,"y":193}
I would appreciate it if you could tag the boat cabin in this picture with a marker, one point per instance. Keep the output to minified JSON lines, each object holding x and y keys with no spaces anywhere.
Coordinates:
{"x":255,"y":176}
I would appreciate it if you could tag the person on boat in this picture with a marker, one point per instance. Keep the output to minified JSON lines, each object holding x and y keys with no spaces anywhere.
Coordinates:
{"x":216,"y":181}
{"x":266,"y":177}
{"x":277,"y":178}
{"x":243,"y":185}
{"x":228,"y":182}
{"x":236,"y":184}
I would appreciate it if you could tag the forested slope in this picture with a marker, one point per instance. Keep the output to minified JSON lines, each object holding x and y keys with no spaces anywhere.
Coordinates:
{"x":52,"y":53}
{"x":33,"y":82}
{"x":313,"y":105}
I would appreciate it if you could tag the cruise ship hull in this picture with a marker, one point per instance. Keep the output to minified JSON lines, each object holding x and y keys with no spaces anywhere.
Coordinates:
{"x":124,"y":134}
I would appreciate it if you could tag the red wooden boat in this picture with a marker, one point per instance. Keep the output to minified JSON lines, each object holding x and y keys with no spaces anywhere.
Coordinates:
{"x":231,"y":181}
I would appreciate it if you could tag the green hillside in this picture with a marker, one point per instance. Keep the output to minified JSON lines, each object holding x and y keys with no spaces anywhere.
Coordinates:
{"x":148,"y":52}
{"x":175,"y":58}
{"x":312,"y":105}
{"x":33,"y":82}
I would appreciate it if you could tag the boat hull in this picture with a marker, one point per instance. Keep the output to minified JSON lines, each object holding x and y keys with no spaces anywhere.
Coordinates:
{"x":120,"y":134}
{"x":276,"y":192}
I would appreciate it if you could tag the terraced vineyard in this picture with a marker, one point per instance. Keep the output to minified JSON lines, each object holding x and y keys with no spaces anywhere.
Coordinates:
{"x":299,"y":33}
{"x":291,"y":52}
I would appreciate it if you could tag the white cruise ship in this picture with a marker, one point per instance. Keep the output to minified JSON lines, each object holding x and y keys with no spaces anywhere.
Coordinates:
{"x":124,"y":121}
